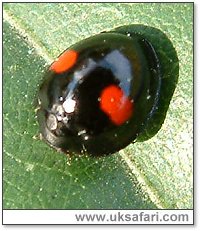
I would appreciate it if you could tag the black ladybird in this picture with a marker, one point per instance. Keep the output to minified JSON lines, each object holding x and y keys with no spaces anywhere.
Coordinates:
{"x":102,"y":93}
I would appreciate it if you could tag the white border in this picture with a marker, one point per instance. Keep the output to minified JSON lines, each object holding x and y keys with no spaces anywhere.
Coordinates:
{"x":15,"y":216}
{"x":62,"y":217}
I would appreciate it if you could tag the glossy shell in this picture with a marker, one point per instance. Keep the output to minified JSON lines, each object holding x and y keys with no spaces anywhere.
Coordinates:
{"x":99,"y":93}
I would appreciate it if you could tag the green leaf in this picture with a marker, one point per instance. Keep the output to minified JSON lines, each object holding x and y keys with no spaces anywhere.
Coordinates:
{"x":153,"y":174}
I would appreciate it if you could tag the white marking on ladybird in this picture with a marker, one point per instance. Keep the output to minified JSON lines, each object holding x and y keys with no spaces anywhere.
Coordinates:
{"x":81,"y":132}
{"x":69,"y":105}
{"x":52,"y":122}
{"x":84,"y":150}
{"x":65,"y":120}
{"x":86,"y":137}
{"x":58,"y":111}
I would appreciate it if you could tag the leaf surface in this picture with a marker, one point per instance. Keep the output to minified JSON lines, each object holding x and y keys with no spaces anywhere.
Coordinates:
{"x":153,"y":174}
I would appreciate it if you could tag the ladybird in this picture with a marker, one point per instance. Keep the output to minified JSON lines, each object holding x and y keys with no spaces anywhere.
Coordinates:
{"x":101,"y":94}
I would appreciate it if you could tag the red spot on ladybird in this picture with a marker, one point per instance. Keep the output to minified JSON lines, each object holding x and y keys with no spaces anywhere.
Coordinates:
{"x":116,"y":104}
{"x":65,"y":61}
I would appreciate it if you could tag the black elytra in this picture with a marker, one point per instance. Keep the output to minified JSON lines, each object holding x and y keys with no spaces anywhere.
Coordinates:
{"x":98,"y":96}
